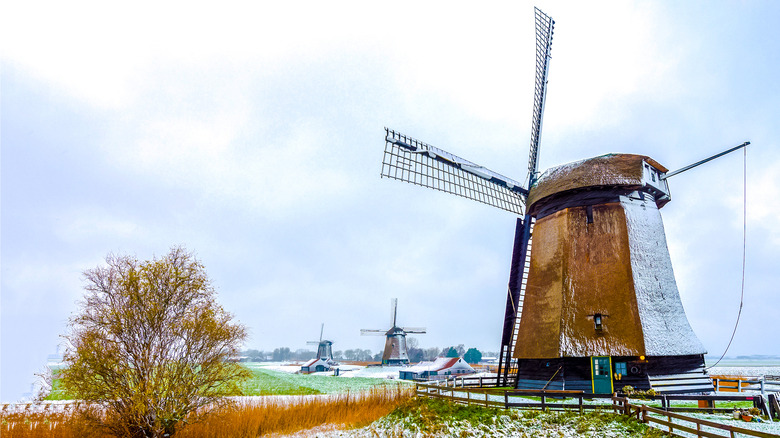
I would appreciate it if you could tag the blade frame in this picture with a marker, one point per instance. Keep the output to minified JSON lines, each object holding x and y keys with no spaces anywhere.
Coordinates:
{"x":544,"y":35}
{"x":410,"y":160}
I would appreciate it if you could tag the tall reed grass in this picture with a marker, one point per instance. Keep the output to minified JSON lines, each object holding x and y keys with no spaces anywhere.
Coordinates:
{"x":43,"y":421}
{"x":283,"y":415}
{"x":246,"y":417}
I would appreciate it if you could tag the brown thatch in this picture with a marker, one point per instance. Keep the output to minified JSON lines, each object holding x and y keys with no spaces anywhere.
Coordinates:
{"x":604,"y":171}
{"x":579,"y":269}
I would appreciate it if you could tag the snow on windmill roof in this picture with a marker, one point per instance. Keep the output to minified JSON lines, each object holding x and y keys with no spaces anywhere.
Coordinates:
{"x":314,"y":361}
{"x":604,"y":171}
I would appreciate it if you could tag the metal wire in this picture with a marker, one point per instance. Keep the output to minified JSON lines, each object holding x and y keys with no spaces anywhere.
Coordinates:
{"x":744,"y":254}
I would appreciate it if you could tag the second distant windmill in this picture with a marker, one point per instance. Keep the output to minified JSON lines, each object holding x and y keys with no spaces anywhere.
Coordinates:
{"x":324,"y":347}
{"x":395,"y":346}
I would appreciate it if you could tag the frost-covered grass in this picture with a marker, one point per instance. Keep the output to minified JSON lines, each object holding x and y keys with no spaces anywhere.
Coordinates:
{"x":438,"y":418}
{"x":270,"y":382}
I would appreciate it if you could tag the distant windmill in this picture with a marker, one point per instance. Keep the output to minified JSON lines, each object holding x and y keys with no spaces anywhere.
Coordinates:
{"x":395,"y":346}
{"x":595,"y":300}
{"x":324,"y":347}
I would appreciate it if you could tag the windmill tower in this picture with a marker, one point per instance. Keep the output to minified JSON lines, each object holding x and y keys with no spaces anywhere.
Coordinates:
{"x":395,"y":352}
{"x":324,"y":347}
{"x":592,"y":302}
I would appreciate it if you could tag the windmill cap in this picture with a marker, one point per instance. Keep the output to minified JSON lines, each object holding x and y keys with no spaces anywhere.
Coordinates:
{"x":622,"y":172}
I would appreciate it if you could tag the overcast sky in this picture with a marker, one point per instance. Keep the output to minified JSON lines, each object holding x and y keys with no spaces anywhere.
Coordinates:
{"x":252,"y":133}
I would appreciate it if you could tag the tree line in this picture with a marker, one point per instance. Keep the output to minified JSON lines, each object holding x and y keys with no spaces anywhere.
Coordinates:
{"x":416,"y":354}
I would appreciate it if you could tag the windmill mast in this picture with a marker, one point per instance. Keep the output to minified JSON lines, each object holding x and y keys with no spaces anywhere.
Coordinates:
{"x":544,"y":33}
{"x":523,"y":230}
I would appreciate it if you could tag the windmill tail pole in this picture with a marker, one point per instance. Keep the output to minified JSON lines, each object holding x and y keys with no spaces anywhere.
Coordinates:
{"x":705,"y":160}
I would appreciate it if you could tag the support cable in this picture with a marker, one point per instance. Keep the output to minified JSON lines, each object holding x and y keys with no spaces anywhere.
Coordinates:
{"x":744,"y":251}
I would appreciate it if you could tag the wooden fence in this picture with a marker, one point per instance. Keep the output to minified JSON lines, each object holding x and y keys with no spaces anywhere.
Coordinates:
{"x":763,"y":384}
{"x":695,"y":426}
{"x":465,"y":390}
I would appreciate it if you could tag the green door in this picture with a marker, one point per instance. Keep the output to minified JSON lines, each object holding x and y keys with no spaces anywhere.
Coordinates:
{"x":601,"y":370}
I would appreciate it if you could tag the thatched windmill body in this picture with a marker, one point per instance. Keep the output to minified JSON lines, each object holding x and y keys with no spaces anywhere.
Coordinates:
{"x":592,"y":302}
{"x":395,"y":352}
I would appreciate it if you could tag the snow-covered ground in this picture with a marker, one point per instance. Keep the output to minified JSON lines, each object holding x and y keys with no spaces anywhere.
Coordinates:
{"x":745,"y":371}
{"x":345,"y":370}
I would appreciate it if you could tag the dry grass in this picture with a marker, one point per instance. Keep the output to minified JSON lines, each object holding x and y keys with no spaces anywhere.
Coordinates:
{"x":36,"y":421}
{"x":283,"y":416}
{"x":261,"y":416}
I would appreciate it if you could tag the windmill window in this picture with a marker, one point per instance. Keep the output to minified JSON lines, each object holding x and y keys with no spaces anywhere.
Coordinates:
{"x":597,"y":321}
{"x":589,"y":213}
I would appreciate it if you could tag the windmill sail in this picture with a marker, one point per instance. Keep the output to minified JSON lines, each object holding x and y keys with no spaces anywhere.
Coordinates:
{"x":413,"y":161}
{"x":414,"y":330}
{"x":523,"y":230}
{"x":371,"y":332}
{"x":394,"y":309}
{"x":544,"y":33}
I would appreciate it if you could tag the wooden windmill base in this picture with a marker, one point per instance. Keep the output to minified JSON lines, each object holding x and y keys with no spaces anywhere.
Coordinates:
{"x":604,"y":374}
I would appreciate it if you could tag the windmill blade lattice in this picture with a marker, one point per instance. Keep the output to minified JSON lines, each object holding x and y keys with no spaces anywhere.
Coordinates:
{"x":414,"y":330}
{"x":371,"y":332}
{"x":413,"y":161}
{"x":544,"y":33}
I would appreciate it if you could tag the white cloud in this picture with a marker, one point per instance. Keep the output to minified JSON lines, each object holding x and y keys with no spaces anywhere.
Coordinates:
{"x":93,"y":223}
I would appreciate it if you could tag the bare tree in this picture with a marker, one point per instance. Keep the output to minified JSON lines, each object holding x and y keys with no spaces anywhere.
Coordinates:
{"x":151,"y":346}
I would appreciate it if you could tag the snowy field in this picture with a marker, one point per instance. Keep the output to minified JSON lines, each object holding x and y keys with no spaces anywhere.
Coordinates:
{"x":745,"y":371}
{"x":345,"y":370}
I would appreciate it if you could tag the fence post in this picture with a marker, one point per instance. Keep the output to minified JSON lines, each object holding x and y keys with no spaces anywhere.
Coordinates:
{"x":506,"y":400}
{"x":580,"y":403}
{"x":644,"y":414}
{"x":486,"y":399}
{"x":717,"y":385}
{"x":739,"y":385}
{"x":763,"y":379}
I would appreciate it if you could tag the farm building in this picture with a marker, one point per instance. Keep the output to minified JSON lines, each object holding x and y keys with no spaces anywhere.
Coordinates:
{"x":441,"y":368}
{"x":315,"y":365}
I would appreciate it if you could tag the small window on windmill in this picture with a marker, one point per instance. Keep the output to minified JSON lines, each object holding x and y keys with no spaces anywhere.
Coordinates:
{"x":597,"y":321}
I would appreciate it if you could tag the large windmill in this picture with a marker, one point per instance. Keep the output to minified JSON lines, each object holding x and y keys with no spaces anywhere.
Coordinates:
{"x":324,"y":347}
{"x":395,"y":352}
{"x":593,"y":300}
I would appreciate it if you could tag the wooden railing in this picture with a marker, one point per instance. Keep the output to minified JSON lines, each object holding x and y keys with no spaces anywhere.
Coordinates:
{"x":684,"y":423}
{"x":464,"y":391}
